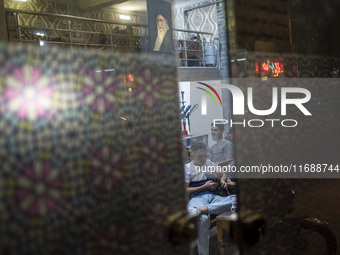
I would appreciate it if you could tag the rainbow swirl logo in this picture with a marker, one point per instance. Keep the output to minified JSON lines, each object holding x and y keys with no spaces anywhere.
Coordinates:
{"x":204,"y":99}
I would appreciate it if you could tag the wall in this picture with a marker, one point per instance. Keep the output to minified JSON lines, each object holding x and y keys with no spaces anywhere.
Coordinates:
{"x":52,"y":7}
{"x":200,"y":124}
{"x":201,"y":19}
{"x":262,"y":21}
{"x":3,"y":28}
{"x":45,"y":6}
{"x":211,"y":18}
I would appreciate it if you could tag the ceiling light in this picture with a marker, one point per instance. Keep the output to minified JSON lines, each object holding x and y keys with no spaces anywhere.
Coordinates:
{"x":125,"y":17}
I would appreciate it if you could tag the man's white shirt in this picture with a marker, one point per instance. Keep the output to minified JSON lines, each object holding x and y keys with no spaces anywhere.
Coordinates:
{"x":199,"y":173}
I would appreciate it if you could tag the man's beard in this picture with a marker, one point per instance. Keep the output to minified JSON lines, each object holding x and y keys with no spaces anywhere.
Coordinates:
{"x":215,"y":138}
{"x":160,"y":37}
{"x":161,"y":32}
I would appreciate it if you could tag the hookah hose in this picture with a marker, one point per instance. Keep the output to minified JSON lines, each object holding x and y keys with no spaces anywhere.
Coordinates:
{"x":185,"y":132}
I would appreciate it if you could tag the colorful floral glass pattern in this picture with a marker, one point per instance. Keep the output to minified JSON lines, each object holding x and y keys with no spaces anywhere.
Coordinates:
{"x":29,"y":93}
{"x":39,"y":188}
{"x":80,"y":146}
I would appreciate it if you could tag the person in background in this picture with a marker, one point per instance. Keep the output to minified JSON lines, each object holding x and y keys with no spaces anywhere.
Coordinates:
{"x":222,"y":152}
{"x":223,"y":149}
{"x":201,"y":186}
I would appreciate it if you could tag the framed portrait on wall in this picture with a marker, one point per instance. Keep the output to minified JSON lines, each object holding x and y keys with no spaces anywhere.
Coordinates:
{"x":160,"y":26}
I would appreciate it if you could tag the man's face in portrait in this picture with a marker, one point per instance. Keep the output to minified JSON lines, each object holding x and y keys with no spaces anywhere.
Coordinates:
{"x":162,"y":24}
{"x":162,"y":28}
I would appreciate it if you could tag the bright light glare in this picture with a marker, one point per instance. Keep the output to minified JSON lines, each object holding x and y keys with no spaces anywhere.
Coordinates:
{"x":239,"y":59}
{"x":31,"y":103}
{"x":29,"y":93}
{"x":125,"y":17}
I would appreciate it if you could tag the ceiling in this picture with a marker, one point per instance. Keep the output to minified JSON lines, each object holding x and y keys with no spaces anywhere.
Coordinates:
{"x":140,"y":5}
{"x":121,"y":5}
{"x":132,"y":5}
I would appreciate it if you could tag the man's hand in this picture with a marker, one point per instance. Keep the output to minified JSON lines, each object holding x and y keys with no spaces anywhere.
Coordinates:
{"x":210,"y":185}
{"x":226,"y":184}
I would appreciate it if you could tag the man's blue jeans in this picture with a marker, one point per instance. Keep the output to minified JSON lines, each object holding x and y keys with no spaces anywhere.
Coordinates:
{"x":216,"y":205}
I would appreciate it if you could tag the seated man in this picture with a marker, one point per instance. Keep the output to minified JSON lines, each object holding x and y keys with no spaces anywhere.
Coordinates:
{"x":204,"y":202}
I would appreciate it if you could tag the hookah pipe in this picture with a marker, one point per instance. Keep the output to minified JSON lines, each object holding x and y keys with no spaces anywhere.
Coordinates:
{"x":185,"y":112}
{"x":187,"y":116}
{"x":182,"y":102}
{"x":182,"y":115}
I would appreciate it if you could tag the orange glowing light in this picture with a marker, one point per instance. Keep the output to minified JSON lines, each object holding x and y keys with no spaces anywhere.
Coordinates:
{"x":277,"y":67}
{"x":265,"y":67}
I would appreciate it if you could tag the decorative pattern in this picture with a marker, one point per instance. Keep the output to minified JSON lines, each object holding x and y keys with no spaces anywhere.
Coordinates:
{"x":46,"y":24}
{"x":199,"y":19}
{"x":29,"y":95}
{"x":88,"y":143}
{"x":38,"y":188}
{"x":105,"y":169}
{"x":98,"y":90}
